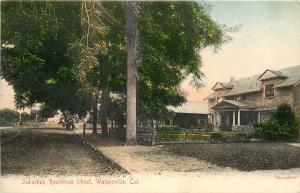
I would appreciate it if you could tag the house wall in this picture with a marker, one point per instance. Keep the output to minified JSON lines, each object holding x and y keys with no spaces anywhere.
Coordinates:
{"x":296,"y":102}
{"x":211,"y":102}
{"x":282,"y":95}
{"x":219,"y":94}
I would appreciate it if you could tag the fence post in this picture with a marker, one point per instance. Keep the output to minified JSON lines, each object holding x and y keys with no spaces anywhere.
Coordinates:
{"x":84,"y":129}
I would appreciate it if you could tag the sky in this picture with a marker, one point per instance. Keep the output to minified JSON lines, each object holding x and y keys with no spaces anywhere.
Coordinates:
{"x":268,"y":38}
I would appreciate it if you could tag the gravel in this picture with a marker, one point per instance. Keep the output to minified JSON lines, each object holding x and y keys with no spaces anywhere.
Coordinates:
{"x":242,"y":156}
{"x":51,"y":152}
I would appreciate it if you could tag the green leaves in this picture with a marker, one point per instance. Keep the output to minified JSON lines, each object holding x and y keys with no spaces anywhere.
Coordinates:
{"x":281,"y":126}
{"x":38,"y":65}
{"x":171,"y":36}
{"x":57,"y":52}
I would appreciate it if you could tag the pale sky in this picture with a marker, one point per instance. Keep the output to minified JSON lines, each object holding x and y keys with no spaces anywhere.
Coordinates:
{"x":269,"y":37}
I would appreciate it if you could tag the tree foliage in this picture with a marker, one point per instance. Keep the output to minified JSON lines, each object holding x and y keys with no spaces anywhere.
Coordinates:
{"x":281,"y":126}
{"x":58,"y":53}
{"x":8,"y":117}
{"x":171,"y":38}
{"x":36,"y":38}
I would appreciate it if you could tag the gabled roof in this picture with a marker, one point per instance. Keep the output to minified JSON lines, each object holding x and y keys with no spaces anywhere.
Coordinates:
{"x":190,"y":107}
{"x":233,"y":104}
{"x":223,"y":85}
{"x":278,"y":74}
{"x":245,"y":85}
{"x":293,"y":74}
{"x":253,"y":84}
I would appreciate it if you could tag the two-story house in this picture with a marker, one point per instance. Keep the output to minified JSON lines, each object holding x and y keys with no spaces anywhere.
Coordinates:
{"x":237,"y":104}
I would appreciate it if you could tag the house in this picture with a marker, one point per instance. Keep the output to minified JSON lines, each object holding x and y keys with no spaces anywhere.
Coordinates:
{"x":189,"y":119}
{"x":237,"y":104}
{"x":187,"y":115}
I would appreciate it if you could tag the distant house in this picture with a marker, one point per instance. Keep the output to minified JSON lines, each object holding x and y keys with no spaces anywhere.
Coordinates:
{"x":187,"y":115}
{"x":237,"y":104}
{"x":190,"y":119}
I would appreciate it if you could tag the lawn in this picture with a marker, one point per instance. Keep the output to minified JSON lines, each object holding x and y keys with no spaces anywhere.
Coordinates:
{"x":242,"y":156}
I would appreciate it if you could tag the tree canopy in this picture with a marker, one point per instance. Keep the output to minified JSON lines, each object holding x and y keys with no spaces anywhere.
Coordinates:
{"x":171,"y":38}
{"x":36,"y":39}
{"x":57,"y":52}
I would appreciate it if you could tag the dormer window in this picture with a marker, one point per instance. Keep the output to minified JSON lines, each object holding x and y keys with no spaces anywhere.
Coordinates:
{"x":269,"y":91}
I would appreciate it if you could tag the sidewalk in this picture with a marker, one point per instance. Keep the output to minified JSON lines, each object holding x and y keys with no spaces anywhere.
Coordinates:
{"x":147,"y":159}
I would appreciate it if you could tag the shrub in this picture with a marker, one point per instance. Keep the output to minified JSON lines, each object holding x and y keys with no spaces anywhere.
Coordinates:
{"x":197,"y":137}
{"x":284,"y":115}
{"x":281,"y":126}
{"x":175,"y":129}
{"x":217,"y":137}
{"x":196,"y":128}
{"x":244,"y":136}
{"x":168,"y":137}
{"x":8,"y":117}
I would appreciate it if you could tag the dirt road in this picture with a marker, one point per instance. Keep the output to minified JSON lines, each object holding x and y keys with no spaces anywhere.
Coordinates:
{"x":51,"y":152}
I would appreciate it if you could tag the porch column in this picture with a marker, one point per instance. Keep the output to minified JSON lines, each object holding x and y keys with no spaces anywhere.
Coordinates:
{"x":239,"y":117}
{"x":214,"y":118}
{"x":258,"y":117}
{"x":233,"y":117}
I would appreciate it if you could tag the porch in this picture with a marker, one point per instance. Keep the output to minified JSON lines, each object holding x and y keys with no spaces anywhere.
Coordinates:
{"x":230,"y":115}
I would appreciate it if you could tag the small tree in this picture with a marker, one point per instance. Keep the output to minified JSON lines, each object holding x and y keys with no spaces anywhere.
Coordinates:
{"x":8,"y":117}
{"x":25,"y":117}
{"x":285,"y":115}
{"x":281,"y":126}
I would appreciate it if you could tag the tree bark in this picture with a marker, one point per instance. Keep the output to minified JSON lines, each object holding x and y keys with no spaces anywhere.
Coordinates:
{"x":104,"y":111}
{"x":131,"y":16}
{"x":95,"y":112}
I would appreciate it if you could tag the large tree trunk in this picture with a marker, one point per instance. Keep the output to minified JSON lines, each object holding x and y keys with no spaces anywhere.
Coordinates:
{"x":104,"y":111}
{"x":131,"y":16}
{"x":95,"y":112}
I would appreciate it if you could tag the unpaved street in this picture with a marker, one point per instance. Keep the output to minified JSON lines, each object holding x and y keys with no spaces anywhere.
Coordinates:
{"x":51,"y":152}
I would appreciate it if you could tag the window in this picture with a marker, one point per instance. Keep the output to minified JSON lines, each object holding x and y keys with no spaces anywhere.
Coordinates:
{"x":269,"y":90}
{"x":229,"y":98}
{"x":238,"y":98}
{"x":248,"y":117}
{"x":241,"y":97}
{"x":244,"y":97}
{"x":265,"y":116}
